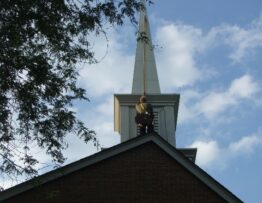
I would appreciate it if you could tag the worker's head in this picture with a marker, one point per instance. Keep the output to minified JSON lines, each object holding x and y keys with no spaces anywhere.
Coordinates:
{"x":142,"y":99}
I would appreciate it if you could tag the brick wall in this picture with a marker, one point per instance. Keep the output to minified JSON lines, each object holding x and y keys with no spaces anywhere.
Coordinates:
{"x":143,"y":174}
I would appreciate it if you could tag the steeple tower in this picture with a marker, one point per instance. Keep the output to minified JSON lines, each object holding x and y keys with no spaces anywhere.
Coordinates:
{"x":145,"y":82}
{"x":145,"y":79}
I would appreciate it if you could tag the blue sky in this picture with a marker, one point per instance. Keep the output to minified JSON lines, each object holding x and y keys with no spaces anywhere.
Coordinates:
{"x":210,"y":53}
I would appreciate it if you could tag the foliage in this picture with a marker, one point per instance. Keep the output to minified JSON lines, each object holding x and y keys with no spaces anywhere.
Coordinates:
{"x":42,"y":41}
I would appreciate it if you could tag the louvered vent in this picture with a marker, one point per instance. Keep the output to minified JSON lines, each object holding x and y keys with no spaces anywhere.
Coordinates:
{"x":137,"y":130}
{"x":156,"y":124}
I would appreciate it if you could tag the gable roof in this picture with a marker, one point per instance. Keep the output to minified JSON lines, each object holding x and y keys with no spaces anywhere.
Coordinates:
{"x":185,"y":157}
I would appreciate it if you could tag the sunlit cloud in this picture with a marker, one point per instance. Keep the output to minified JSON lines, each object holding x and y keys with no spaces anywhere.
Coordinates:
{"x":242,"y":41}
{"x":245,"y":144}
{"x":207,"y":152}
{"x":215,"y":102}
{"x":176,"y":59}
{"x":211,"y":154}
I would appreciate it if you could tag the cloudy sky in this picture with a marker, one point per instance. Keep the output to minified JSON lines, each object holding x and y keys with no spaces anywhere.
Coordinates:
{"x":210,"y":52}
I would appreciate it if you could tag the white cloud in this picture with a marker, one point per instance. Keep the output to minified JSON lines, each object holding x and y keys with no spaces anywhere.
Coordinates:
{"x":176,"y":58}
{"x":241,"y":40}
{"x":113,"y":73}
{"x":207,"y":152}
{"x":243,"y":87}
{"x":106,"y":108}
{"x":215,"y":103}
{"x":245,"y":144}
{"x":210,"y":154}
{"x":186,"y":111}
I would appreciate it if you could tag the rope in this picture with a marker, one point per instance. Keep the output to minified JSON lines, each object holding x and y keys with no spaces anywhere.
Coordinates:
{"x":144,"y":56}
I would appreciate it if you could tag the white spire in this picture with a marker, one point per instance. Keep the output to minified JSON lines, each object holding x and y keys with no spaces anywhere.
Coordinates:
{"x":145,"y":79}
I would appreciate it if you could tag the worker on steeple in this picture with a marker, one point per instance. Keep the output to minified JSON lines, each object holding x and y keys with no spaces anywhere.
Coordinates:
{"x":144,"y":116}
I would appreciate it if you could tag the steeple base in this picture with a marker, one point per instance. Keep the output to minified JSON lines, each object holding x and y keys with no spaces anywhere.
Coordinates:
{"x":165,"y":110}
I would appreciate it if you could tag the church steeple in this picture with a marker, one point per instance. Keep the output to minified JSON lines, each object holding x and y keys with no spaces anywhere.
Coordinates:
{"x":145,"y":79}
{"x":145,"y":82}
